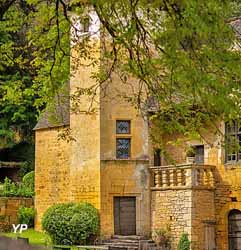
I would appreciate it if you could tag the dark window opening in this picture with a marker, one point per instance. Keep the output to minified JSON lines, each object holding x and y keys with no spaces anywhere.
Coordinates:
{"x":157,"y":157}
{"x":199,"y":154}
{"x":123,"y":146}
{"x":86,"y":25}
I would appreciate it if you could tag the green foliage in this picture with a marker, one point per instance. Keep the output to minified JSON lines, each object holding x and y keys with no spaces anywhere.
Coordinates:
{"x":9,"y":188}
{"x":24,"y":189}
{"x":184,"y":243}
{"x":26,"y":216}
{"x":181,"y":52}
{"x":28,"y":180}
{"x":32,"y":65}
{"x":71,"y":223}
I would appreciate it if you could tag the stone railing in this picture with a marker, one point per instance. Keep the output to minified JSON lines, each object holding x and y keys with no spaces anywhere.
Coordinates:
{"x":183,"y":176}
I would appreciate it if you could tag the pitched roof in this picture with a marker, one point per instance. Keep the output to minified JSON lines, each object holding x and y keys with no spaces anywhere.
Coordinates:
{"x":57,"y":113}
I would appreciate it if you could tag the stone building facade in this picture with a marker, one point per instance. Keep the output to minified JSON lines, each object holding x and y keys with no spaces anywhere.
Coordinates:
{"x":109,"y":162}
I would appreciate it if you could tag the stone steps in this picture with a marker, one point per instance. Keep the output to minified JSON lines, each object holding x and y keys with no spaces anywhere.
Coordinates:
{"x":130,"y":242}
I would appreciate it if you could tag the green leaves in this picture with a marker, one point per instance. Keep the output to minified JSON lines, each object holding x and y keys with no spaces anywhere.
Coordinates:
{"x":26,"y":216}
{"x":34,"y":62}
{"x":71,"y":223}
{"x":24,"y":189}
{"x":182,"y":52}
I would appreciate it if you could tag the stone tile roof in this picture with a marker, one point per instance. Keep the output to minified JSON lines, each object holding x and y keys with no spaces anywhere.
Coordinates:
{"x":57,"y":113}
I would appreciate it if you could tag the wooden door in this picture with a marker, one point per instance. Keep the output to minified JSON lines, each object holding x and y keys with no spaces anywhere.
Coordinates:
{"x":234,"y":230}
{"x":125,"y":215}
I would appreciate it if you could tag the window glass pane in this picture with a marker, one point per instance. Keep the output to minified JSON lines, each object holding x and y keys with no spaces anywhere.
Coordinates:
{"x":123,"y":148}
{"x":122,"y":127}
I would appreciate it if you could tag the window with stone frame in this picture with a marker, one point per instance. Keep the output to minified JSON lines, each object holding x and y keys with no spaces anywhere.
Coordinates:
{"x":123,"y":139}
{"x":233,"y":141}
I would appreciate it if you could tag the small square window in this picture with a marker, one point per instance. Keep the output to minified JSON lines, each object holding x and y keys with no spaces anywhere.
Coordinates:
{"x":123,"y":148}
{"x":123,"y":127}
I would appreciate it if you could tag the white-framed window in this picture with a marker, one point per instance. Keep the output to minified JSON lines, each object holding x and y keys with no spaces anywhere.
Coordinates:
{"x":233,"y":141}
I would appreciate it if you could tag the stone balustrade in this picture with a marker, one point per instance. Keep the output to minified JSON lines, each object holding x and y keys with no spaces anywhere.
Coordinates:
{"x":183,"y":176}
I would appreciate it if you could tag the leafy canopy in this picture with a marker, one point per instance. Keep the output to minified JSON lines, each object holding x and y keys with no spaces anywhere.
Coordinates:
{"x":32,"y":64}
{"x":184,"y":54}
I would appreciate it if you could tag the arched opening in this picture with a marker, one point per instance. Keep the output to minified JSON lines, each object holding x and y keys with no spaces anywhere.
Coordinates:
{"x":234,"y":229}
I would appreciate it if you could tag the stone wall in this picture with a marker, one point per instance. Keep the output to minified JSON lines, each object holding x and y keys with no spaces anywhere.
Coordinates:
{"x":171,"y":209}
{"x":9,"y":208}
{"x":227,"y":193}
{"x":51,"y":171}
{"x":183,"y":211}
{"x":226,"y":196}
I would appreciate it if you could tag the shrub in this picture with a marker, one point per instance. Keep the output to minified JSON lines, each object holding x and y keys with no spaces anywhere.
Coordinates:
{"x":26,"y":216}
{"x":28,"y":180}
{"x":162,"y":237}
{"x":24,"y":189}
{"x":9,"y":188}
{"x":71,"y":223}
{"x":184,"y":243}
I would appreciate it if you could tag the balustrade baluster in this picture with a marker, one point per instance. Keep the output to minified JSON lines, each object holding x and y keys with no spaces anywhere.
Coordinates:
{"x":206,"y":177}
{"x":157,"y":179}
{"x":179,"y":177}
{"x":211,"y":178}
{"x":171,"y":177}
{"x":188,"y":177}
{"x":201,"y":178}
{"x":164,"y":178}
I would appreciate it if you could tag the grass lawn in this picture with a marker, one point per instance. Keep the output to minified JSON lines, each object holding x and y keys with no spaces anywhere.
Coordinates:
{"x":35,"y":238}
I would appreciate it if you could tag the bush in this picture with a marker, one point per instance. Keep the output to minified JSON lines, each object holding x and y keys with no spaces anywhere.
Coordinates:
{"x":28,"y":180}
{"x":26,"y":216}
{"x":24,"y":189}
{"x":184,"y":243}
{"x":9,"y":188}
{"x":71,"y":223}
{"x":162,"y":237}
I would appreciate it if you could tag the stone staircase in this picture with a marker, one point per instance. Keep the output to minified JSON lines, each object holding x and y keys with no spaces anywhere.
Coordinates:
{"x":130,"y":242}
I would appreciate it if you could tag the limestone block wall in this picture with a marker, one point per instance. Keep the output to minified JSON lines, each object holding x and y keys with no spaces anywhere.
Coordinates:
{"x":51,"y":171}
{"x":85,"y":126}
{"x":184,"y":210}
{"x":172,"y":209}
{"x":9,"y":208}
{"x":227,"y":193}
